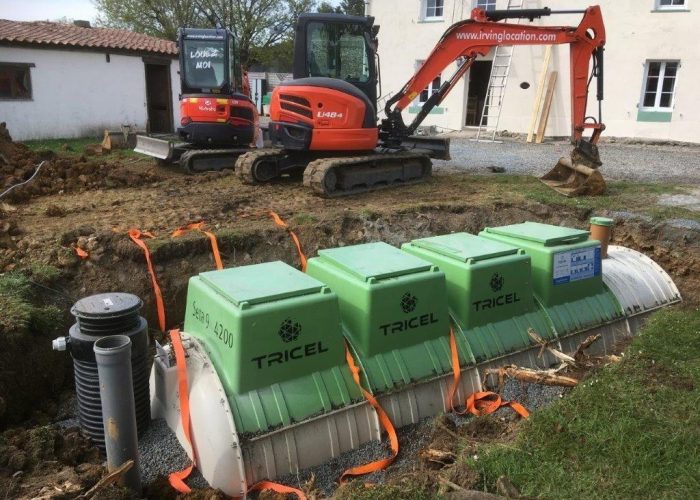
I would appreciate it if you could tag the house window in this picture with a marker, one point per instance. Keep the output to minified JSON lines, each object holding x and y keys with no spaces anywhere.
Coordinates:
{"x":15,"y":81}
{"x":659,"y":85}
{"x":671,"y":4}
{"x":431,"y":89}
{"x":486,"y":4}
{"x":433,"y":9}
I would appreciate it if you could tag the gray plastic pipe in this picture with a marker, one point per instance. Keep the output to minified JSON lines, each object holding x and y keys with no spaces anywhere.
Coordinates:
{"x":113,"y":357}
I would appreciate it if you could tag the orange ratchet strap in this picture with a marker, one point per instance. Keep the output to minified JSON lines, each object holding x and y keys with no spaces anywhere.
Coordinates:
{"x":277,"y":488}
{"x":199,"y":226}
{"x":280,"y":223}
{"x":177,"y":479}
{"x":384,"y":420}
{"x":479,"y":403}
{"x":136,"y":236}
{"x":80,"y":252}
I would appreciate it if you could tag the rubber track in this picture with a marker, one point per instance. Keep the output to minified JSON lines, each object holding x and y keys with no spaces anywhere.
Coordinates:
{"x":244,"y":163}
{"x":188,"y":156}
{"x":316,"y":172}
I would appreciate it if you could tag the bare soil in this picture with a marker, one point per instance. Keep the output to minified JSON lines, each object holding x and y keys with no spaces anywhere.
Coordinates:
{"x":61,"y":174}
{"x":51,"y":463}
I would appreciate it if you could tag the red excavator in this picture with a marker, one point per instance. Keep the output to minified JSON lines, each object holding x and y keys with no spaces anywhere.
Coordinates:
{"x":218,"y":120}
{"x":324,"y":122}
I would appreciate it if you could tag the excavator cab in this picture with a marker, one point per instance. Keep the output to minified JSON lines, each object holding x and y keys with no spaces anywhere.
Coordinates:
{"x":215,"y":110}
{"x":337,"y":46}
{"x":330,"y":105}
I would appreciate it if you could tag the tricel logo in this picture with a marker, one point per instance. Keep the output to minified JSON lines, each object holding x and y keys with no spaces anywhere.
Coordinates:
{"x":289,"y":331}
{"x":496,"y":283}
{"x":408,"y":304}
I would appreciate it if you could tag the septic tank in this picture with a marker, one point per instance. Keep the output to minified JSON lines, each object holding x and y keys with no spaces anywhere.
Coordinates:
{"x":271,"y":394}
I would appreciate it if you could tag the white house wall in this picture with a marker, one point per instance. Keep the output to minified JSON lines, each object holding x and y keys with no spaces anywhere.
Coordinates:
{"x":79,"y":94}
{"x":403,"y":39}
{"x":635,"y":33}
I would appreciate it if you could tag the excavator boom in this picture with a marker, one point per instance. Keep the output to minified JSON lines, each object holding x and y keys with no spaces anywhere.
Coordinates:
{"x":468,"y":39}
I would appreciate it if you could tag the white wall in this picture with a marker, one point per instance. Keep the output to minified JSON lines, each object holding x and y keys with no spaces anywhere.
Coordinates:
{"x":79,"y":94}
{"x":175,"y":84}
{"x":404,"y":38}
{"x":635,"y":33}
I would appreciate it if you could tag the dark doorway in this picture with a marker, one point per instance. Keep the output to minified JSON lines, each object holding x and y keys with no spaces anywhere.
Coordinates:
{"x":159,"y":98}
{"x":479,"y":75}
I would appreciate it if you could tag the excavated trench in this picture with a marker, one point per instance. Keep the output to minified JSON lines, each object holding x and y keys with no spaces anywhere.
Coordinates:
{"x":675,"y":245}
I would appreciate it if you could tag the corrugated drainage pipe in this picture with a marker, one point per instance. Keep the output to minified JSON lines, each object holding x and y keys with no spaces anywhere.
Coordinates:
{"x":99,"y":316}
{"x":113,"y":357}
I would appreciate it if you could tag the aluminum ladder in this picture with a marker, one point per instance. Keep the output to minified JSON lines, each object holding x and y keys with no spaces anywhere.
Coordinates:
{"x":493,"y":103}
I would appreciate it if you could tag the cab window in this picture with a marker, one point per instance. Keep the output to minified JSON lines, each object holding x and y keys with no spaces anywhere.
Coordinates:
{"x":235,"y":70}
{"x":337,"y":50}
{"x":204,"y":64}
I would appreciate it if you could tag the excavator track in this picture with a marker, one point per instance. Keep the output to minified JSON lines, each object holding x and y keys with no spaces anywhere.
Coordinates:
{"x":250,"y":166}
{"x":343,"y":176}
{"x":205,"y":160}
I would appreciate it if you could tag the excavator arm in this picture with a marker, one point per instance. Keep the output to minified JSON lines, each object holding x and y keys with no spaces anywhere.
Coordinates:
{"x":468,"y":39}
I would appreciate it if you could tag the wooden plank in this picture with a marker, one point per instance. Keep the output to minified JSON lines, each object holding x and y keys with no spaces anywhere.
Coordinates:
{"x":540,"y":92}
{"x":546,"y":107}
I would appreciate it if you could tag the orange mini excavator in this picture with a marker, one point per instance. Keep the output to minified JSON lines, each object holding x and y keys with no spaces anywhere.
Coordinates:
{"x":218,"y":119}
{"x":324,"y":122}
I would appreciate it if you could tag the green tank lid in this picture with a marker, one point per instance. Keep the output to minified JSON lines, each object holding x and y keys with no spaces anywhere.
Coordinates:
{"x":544,"y":234}
{"x":465,"y":247}
{"x":602,"y":221}
{"x":373,"y":261}
{"x":260,"y":283}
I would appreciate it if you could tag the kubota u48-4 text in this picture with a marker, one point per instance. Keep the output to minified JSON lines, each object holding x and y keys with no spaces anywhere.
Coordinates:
{"x":324,"y":122}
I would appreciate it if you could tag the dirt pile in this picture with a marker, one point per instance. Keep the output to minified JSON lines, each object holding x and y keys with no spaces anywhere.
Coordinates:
{"x":60,"y":174}
{"x":49,"y":462}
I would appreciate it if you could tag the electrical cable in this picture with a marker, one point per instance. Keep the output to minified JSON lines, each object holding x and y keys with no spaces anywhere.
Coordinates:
{"x":24,"y":182}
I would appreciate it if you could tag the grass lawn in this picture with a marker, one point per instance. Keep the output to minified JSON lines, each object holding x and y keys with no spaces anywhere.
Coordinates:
{"x":630,"y":431}
{"x":638,"y":197}
{"x":74,"y":147}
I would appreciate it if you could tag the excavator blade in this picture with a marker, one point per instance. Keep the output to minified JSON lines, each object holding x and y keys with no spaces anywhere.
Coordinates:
{"x":578,"y":175}
{"x":437,"y":148}
{"x":156,"y":147}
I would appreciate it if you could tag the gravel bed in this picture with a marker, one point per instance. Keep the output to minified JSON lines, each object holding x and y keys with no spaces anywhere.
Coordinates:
{"x":675,"y":164}
{"x":411,"y":439}
{"x":531,"y":396}
{"x":160,"y":454}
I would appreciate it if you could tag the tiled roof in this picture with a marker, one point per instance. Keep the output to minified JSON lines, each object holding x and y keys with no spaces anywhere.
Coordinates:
{"x":44,"y":33}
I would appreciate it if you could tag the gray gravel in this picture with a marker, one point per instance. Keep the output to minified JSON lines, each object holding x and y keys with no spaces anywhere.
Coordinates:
{"x":411,"y":439}
{"x":160,"y":454}
{"x":532,"y":396}
{"x":675,"y":164}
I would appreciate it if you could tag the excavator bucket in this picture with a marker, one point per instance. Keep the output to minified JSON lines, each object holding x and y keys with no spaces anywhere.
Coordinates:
{"x":578,"y":175}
